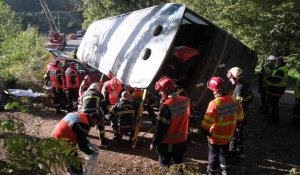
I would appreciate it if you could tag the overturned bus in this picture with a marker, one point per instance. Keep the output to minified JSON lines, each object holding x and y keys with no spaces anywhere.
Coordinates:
{"x":135,"y":48}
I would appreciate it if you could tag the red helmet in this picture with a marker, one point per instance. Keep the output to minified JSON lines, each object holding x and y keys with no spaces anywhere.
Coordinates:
{"x":216,"y":84}
{"x":165,"y":84}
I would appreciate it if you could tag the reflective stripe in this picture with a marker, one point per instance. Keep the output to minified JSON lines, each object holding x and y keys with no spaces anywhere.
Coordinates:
{"x":178,"y":109}
{"x":228,"y":123}
{"x":94,"y":97}
{"x":283,"y":81}
{"x":126,"y":112}
{"x":225,"y":137}
{"x":206,"y":124}
{"x":166,"y":121}
{"x":209,"y":118}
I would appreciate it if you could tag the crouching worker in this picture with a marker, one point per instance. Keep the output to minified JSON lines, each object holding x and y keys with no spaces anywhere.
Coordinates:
{"x":93,"y":101}
{"x":123,"y":116}
{"x":75,"y":128}
{"x":172,"y":123}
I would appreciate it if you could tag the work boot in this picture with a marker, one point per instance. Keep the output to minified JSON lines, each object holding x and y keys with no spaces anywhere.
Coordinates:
{"x":104,"y":141}
{"x":59,"y":111}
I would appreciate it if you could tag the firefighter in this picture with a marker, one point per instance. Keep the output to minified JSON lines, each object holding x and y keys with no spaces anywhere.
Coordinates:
{"x":171,"y":129}
{"x":123,"y":116}
{"x":75,"y":128}
{"x":58,"y":85}
{"x":265,"y":71}
{"x":72,"y":83}
{"x":296,"y":112}
{"x":243,"y":94}
{"x":182,"y":64}
{"x":277,"y":83}
{"x":112,"y":90}
{"x":93,"y":101}
{"x":84,"y":85}
{"x":219,"y":123}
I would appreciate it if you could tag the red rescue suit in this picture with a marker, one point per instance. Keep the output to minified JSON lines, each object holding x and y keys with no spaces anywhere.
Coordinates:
{"x":64,"y":128}
{"x":72,"y":79}
{"x":111,"y":90}
{"x":184,"y":53}
{"x":178,"y":128}
{"x":56,"y":77}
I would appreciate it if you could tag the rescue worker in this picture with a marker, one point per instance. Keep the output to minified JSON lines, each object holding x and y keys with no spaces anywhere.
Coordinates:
{"x":296,"y":112}
{"x":265,"y":71}
{"x":220,"y":120}
{"x":243,"y":94}
{"x":72,"y":83}
{"x":171,"y":129}
{"x":181,"y":65}
{"x":75,"y":128}
{"x":277,"y":83}
{"x":84,"y":85}
{"x":74,"y":53}
{"x":58,"y":85}
{"x":123,"y":116}
{"x":112,"y":90}
{"x":93,"y":101}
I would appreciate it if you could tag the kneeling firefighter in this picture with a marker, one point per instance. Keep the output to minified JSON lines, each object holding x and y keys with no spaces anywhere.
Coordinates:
{"x":75,"y":128}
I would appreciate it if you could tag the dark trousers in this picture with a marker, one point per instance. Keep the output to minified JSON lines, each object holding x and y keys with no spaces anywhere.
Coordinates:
{"x":274,"y":103}
{"x":218,"y":156}
{"x":167,"y":159}
{"x":72,"y":98}
{"x":171,"y":153}
{"x":297,"y":107}
{"x":59,"y":99}
{"x":263,"y":96}
{"x":236,"y":142}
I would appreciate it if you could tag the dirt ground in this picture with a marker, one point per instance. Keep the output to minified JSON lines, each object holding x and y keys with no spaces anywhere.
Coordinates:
{"x":268,"y":149}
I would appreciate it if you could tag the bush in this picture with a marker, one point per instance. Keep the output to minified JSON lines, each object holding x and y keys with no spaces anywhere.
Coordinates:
{"x":24,"y":59}
{"x":30,"y":155}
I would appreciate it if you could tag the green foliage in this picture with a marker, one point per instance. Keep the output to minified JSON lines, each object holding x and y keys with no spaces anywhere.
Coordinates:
{"x":188,"y":168}
{"x":267,"y":26}
{"x":9,"y":23}
{"x":27,"y":154}
{"x":24,"y":58}
{"x":11,"y":126}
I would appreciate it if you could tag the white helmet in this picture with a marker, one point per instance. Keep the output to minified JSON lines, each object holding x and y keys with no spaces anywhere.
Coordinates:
{"x":95,"y":86}
{"x":235,"y":72}
{"x":271,"y":58}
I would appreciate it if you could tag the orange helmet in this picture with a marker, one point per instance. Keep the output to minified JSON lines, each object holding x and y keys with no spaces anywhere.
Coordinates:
{"x":165,"y":84}
{"x":216,"y":84}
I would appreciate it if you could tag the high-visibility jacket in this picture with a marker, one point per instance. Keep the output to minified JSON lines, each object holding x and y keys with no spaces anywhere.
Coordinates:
{"x":184,"y":53}
{"x":72,"y":79}
{"x":56,"y":77}
{"x":283,"y":82}
{"x":125,"y":112}
{"x":91,"y":101}
{"x":178,"y":125}
{"x":221,"y":119}
{"x":297,"y":89}
{"x":64,"y":128}
{"x":266,"y":71}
